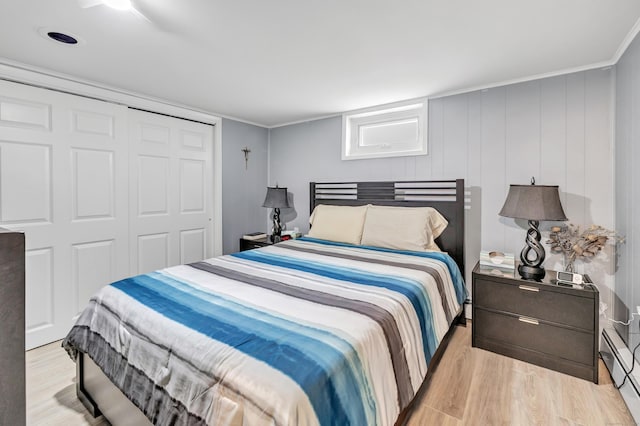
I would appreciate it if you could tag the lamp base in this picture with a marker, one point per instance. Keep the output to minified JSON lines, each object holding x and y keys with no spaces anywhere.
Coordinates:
{"x":275,"y":238}
{"x":276,"y":232}
{"x":530,"y":268}
{"x":535,"y":273}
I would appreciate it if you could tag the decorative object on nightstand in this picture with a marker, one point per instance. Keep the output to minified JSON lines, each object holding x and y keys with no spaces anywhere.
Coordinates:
{"x":497,"y":259}
{"x":544,"y":323}
{"x":276,"y":199}
{"x":533,"y":203}
{"x":584,"y":245}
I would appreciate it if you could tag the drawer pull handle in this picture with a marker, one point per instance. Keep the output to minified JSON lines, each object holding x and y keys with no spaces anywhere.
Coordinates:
{"x":528,"y":320}
{"x":528,"y":288}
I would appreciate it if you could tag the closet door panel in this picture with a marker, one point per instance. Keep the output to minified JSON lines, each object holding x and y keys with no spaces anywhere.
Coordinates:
{"x":94,"y":264}
{"x":31,"y":165}
{"x":192,"y":245}
{"x":64,"y":182}
{"x":24,"y":113}
{"x":39,"y":290}
{"x":171,"y":197}
{"x":99,"y":197}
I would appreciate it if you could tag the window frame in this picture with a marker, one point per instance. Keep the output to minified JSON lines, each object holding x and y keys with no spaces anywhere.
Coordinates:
{"x":354,"y":121}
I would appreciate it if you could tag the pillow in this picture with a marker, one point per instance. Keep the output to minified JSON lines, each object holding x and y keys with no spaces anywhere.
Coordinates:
{"x":403,"y":228}
{"x":437,"y":221}
{"x":337,"y":223}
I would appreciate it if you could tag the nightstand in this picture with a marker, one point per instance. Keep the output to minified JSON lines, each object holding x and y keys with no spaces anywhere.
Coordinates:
{"x":543,"y":323}
{"x":252,"y":244}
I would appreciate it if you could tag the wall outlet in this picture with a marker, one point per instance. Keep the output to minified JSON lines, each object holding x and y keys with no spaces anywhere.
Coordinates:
{"x":638,"y":309}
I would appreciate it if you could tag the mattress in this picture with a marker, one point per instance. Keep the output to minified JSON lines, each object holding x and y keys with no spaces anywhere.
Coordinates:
{"x":304,"y":332}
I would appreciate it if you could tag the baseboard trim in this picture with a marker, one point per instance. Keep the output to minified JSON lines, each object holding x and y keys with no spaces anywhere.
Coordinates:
{"x":618,"y":359}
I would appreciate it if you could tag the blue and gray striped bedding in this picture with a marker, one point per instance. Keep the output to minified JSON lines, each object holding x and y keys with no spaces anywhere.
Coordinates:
{"x":304,"y":332}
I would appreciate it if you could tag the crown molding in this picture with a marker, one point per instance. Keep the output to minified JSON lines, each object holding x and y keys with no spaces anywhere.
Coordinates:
{"x":47,"y":79}
{"x":626,"y":42}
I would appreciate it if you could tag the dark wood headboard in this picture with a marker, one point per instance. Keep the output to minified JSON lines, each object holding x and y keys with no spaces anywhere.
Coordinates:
{"x":447,"y":196}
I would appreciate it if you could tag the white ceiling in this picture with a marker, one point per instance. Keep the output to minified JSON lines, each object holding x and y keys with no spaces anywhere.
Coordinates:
{"x":282,"y":61}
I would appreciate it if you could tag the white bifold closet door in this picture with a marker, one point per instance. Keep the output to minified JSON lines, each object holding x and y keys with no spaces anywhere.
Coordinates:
{"x":171,"y":195}
{"x":102,"y":192}
{"x":64,"y":182}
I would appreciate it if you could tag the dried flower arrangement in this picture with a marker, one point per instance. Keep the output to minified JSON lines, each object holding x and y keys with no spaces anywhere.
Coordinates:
{"x":574,"y":244}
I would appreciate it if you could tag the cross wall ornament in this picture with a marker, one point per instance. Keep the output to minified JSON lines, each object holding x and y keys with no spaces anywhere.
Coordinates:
{"x":246,"y":157}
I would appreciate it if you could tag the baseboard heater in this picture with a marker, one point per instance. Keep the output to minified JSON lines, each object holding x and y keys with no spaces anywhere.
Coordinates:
{"x":618,"y":359}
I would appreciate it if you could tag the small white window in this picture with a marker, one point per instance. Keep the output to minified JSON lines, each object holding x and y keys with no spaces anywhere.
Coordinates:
{"x":385,"y":132}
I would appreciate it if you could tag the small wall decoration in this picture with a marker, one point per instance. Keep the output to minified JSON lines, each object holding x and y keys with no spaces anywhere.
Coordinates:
{"x":246,"y":157}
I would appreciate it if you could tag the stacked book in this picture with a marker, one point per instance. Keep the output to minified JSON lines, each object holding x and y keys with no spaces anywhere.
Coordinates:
{"x":254,"y":236}
{"x":496,"y":259}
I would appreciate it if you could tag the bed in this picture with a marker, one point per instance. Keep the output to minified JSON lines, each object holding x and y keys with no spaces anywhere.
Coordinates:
{"x":307,"y":331}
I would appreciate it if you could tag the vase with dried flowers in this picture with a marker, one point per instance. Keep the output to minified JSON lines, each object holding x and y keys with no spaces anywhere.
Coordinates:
{"x":576,"y":244}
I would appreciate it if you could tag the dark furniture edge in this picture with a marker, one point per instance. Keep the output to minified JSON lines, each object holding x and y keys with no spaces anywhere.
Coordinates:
{"x":572,"y":368}
{"x":83,"y":395}
{"x":245,"y":244}
{"x":13,"y":406}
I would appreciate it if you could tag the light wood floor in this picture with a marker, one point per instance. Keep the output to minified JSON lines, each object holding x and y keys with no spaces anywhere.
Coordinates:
{"x":469,"y":387}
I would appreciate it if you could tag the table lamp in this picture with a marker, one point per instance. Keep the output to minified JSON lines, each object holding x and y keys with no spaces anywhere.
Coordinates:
{"x":276,"y":199}
{"x":533,"y":203}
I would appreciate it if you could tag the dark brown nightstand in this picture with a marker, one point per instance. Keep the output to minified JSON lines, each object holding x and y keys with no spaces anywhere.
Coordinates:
{"x":543,"y":323}
{"x":252,"y":244}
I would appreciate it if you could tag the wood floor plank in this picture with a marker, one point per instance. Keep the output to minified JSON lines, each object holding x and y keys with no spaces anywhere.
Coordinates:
{"x":448,"y":391}
{"x":532,"y":401}
{"x":51,"y":390}
{"x":431,"y":416}
{"x":490,"y":396}
{"x":504,"y":391}
{"x":578,"y":402}
{"x":470,"y":387}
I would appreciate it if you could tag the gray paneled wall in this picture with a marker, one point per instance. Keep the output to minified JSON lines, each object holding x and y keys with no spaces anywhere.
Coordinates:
{"x":627,"y":177}
{"x":243,"y":188}
{"x":556,"y":129}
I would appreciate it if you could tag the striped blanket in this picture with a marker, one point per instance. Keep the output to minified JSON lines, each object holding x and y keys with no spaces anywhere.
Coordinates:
{"x":304,"y":332}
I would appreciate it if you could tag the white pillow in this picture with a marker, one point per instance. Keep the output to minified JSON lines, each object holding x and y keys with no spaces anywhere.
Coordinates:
{"x":437,"y":221}
{"x":337,"y":223}
{"x":403,"y":228}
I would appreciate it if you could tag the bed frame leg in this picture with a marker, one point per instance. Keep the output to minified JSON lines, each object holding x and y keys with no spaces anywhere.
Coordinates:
{"x":462,"y":320}
{"x":83,"y":396}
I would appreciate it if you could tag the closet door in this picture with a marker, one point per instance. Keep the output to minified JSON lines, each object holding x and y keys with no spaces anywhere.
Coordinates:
{"x":64,"y":182}
{"x":171,"y":191}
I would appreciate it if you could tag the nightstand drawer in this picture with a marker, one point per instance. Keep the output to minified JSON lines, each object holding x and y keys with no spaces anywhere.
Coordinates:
{"x":254,"y":244}
{"x":530,"y":334}
{"x":536,"y":301}
{"x":250,"y":245}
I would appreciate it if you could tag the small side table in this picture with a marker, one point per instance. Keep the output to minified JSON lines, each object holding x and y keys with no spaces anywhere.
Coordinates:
{"x":544,"y":323}
{"x":253,"y":244}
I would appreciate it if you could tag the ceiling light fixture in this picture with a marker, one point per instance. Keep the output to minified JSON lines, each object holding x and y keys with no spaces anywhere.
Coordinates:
{"x":118,"y":4}
{"x":61,"y":37}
